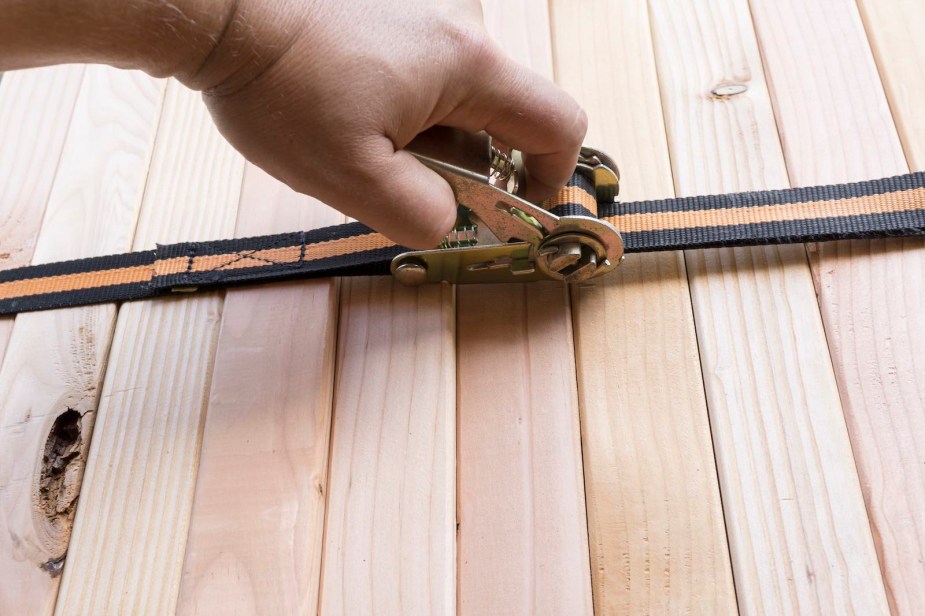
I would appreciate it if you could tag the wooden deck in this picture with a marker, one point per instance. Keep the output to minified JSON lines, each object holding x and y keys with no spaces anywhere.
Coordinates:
{"x":706,"y":432}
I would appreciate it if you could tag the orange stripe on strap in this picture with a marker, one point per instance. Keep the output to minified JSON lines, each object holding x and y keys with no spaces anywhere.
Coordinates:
{"x":573,"y":194}
{"x":900,"y":201}
{"x":75,"y":282}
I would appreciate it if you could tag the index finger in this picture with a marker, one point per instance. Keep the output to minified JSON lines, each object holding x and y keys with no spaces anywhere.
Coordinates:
{"x":529,"y":113}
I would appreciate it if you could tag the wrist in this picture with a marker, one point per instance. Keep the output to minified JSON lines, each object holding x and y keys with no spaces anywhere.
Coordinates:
{"x":253,"y":36}
{"x":163,"y":38}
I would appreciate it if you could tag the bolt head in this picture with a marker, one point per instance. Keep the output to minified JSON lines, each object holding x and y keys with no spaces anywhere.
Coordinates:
{"x":412,"y":273}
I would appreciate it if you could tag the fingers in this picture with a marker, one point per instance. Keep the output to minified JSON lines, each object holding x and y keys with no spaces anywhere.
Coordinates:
{"x":526,"y":112}
{"x":402,"y":199}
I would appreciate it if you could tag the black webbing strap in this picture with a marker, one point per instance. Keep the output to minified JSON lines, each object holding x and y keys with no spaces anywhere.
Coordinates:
{"x":881,"y":208}
{"x":888,"y":207}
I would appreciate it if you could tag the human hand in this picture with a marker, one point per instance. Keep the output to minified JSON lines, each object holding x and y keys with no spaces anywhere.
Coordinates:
{"x":324,"y":95}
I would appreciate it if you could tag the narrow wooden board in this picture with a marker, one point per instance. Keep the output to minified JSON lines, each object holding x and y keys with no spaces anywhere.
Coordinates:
{"x":523,"y":543}
{"x":521,"y":28}
{"x":523,"y":539}
{"x":133,"y":514}
{"x":894,"y":31}
{"x":837,"y":127}
{"x":50,"y":381}
{"x":35,"y":112}
{"x":258,"y":516}
{"x":799,"y":535}
{"x":658,"y":542}
{"x":390,"y":523}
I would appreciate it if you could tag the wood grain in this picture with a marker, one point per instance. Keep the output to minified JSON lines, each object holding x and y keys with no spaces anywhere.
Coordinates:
{"x":35,"y":113}
{"x":799,"y":535}
{"x":837,"y":127}
{"x":523,"y":541}
{"x":658,"y":542}
{"x":50,"y":381}
{"x":133,"y":514}
{"x":390,"y":527}
{"x":256,"y":531}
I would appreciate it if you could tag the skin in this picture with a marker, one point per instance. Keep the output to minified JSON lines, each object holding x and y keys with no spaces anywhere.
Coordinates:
{"x":324,"y":94}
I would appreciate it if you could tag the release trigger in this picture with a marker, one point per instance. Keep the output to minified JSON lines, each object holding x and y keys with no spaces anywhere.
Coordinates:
{"x":500,"y":236}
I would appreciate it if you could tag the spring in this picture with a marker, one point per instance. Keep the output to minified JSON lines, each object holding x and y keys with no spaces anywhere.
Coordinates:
{"x":503,"y":169}
{"x":461,"y":237}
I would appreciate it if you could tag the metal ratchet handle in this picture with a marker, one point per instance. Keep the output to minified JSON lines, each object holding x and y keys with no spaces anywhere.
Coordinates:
{"x":465,"y":160}
{"x":536,"y":244}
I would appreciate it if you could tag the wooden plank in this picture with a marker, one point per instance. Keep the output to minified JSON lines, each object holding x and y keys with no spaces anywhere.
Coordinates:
{"x":35,"y":112}
{"x":799,"y":535}
{"x":390,"y":528}
{"x":837,"y":127}
{"x":133,"y":514}
{"x":523,"y":542}
{"x":256,"y":531}
{"x":521,"y":27}
{"x":658,"y":543}
{"x":54,"y":364}
{"x":895,"y":33}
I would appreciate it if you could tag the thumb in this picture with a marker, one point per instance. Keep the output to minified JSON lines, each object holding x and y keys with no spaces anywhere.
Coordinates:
{"x":405,"y":201}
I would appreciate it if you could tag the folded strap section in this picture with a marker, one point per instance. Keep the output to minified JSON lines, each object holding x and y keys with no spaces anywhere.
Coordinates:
{"x":888,"y":207}
{"x":345,"y":250}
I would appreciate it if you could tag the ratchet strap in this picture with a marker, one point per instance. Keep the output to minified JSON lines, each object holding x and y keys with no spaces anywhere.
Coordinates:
{"x":888,"y":207}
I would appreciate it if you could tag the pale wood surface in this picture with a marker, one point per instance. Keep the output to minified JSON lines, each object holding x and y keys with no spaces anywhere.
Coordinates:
{"x":894,"y":30}
{"x":800,"y":537}
{"x":266,"y":432}
{"x":325,"y":427}
{"x":840,"y":128}
{"x":132,"y":518}
{"x":523,"y":544}
{"x":658,"y":542}
{"x":35,"y":113}
{"x":92,"y":209}
{"x":799,"y":534}
{"x":390,"y":534}
{"x":523,"y":539}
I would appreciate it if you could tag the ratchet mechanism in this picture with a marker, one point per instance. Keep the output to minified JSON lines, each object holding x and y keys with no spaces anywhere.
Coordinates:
{"x":500,"y":236}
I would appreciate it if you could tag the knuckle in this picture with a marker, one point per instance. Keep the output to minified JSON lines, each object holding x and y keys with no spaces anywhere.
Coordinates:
{"x":580,"y":127}
{"x":472,"y":46}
